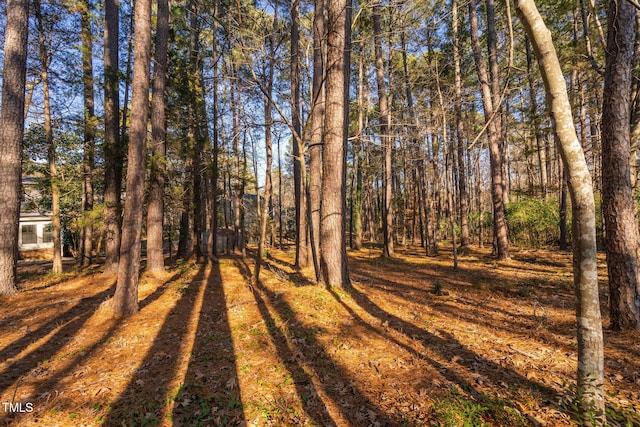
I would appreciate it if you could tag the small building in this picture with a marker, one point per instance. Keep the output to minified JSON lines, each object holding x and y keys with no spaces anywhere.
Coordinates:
{"x":35,"y":230}
{"x":35,"y":235}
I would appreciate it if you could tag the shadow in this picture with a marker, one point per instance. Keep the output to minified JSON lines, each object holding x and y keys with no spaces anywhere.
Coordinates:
{"x":45,"y":388}
{"x":301,"y":352}
{"x":466,"y":359}
{"x":297,"y":277}
{"x":71,"y":321}
{"x":210,"y":393}
{"x":271,"y":256}
{"x":135,"y":405}
{"x":204,"y":392}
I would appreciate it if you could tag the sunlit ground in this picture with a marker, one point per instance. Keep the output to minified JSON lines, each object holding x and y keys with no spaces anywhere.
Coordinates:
{"x":414,"y":343}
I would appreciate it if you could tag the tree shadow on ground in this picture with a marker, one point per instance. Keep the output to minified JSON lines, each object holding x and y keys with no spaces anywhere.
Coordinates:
{"x":312,"y":369}
{"x":209,"y":394}
{"x":65,"y":325}
{"x":157,"y":384}
{"x":462,"y":369}
{"x":45,"y":382}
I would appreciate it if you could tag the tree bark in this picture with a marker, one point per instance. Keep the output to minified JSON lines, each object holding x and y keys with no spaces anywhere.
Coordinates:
{"x":317,"y":125}
{"x":590,"y":341}
{"x":333,"y":240}
{"x":11,"y":133}
{"x":533,"y":112}
{"x":299,"y":184}
{"x":462,"y":179}
{"x":493,"y":135}
{"x":112,"y":142}
{"x":386,"y":140}
{"x":88,"y":162}
{"x":155,"y":211}
{"x":618,"y":207}
{"x":268,"y":120}
{"x":125,"y":300}
{"x":216,"y":148}
{"x":51,"y":146}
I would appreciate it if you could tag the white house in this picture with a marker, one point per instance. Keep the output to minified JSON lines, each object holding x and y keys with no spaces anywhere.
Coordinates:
{"x":35,"y":231}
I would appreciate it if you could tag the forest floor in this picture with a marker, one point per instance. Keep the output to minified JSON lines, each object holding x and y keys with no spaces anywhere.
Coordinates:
{"x":415,"y":342}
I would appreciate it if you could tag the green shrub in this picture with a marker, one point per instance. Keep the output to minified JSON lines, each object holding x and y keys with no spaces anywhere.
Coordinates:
{"x":534,"y":222}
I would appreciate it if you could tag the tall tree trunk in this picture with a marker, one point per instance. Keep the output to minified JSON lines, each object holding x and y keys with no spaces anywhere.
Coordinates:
{"x":88,"y":162}
{"x":196,"y":122}
{"x":385,"y":136}
{"x":155,"y":211}
{"x":299,"y":168}
{"x":268,"y":120}
{"x":492,"y":117}
{"x":113,"y":148}
{"x":125,"y":300}
{"x":11,"y":133}
{"x":462,"y":179}
{"x":358,"y":147}
{"x":317,"y":125}
{"x":533,"y":112}
{"x":333,"y":261}
{"x":213,"y":252}
{"x":618,"y":207}
{"x":590,"y":342}
{"x":564,"y":244}
{"x":238,"y":187}
{"x":51,"y":146}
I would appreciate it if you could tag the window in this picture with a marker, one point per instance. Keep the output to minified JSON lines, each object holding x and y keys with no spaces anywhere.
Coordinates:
{"x":29,"y":234}
{"x":47,"y":233}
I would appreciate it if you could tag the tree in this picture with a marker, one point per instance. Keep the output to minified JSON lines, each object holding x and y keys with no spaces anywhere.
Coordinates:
{"x":317,"y":125}
{"x":11,"y":133}
{"x":618,"y":207}
{"x":491,"y":105}
{"x":299,"y":168}
{"x":88,"y":162}
{"x":125,"y":300}
{"x":268,"y":121}
{"x":462,"y":180}
{"x":333,"y":259}
{"x":51,"y":146}
{"x":385,"y":136}
{"x":155,"y":214}
{"x":590,"y":342}
{"x":112,"y":141}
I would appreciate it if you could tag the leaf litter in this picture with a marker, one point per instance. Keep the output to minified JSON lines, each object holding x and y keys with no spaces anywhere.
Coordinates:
{"x":414,"y":342}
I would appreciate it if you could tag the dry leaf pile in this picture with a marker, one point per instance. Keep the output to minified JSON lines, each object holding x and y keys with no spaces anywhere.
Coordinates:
{"x":415,"y":342}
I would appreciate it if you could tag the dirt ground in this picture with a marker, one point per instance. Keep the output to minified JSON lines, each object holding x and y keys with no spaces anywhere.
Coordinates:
{"x":415,"y":342}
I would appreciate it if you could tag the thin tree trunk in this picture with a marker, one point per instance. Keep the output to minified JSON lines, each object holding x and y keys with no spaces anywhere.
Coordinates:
{"x":564,"y":244}
{"x":213,"y":252}
{"x":317,"y":125}
{"x":88,"y":162}
{"x":533,"y":113}
{"x":618,"y":207}
{"x":462,"y":179}
{"x":11,"y":133}
{"x":302,"y":230}
{"x":264,"y":211}
{"x":155,"y":212}
{"x":112,"y":143}
{"x":357,"y":203}
{"x":590,"y":341}
{"x":51,"y":147}
{"x":493,"y":135}
{"x":385,"y":137}
{"x":125,"y":300}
